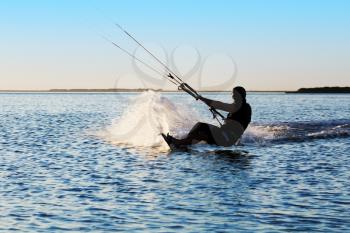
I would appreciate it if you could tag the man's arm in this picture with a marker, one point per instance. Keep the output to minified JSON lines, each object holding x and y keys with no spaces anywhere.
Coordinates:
{"x":220,"y":105}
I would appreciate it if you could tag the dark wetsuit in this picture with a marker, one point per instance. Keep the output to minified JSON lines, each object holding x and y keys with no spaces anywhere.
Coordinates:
{"x":228,"y":134}
{"x":242,"y":115}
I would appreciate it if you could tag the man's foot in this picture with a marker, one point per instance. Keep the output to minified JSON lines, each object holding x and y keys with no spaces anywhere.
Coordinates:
{"x":171,"y":141}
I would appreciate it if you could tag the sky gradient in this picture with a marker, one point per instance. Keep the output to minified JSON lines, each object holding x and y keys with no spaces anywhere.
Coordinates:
{"x":275,"y":45}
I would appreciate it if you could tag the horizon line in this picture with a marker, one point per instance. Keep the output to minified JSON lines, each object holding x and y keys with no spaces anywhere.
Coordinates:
{"x":123,"y":90}
{"x":110,"y":90}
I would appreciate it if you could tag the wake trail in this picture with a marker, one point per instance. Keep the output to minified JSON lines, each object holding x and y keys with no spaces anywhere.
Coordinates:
{"x":284,"y":132}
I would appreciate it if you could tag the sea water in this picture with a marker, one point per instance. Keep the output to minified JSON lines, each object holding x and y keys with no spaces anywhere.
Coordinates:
{"x":96,"y":162}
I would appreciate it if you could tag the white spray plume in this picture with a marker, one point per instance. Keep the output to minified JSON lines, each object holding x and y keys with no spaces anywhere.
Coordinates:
{"x":148,"y":115}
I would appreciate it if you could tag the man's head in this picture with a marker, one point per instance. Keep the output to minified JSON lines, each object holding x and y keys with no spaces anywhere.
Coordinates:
{"x":239,"y":94}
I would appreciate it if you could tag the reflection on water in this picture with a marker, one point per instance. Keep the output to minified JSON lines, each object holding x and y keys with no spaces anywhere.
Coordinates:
{"x":57,"y":175}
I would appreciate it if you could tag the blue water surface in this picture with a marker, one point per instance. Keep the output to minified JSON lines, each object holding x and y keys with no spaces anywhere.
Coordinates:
{"x":55,"y":175}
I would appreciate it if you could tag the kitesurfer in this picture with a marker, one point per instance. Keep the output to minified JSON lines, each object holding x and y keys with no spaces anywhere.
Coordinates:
{"x":237,"y":120}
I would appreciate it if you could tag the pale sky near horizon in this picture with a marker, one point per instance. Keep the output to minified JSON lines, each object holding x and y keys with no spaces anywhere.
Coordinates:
{"x":275,"y":45}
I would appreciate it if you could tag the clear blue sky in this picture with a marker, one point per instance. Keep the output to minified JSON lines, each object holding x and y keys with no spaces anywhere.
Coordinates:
{"x":277,"y":45}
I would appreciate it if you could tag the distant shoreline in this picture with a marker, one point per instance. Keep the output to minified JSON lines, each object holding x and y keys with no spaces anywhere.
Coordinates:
{"x":315,"y":90}
{"x":321,"y":90}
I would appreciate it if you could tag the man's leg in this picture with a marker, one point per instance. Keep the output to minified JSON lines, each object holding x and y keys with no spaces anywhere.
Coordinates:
{"x":199,"y":132}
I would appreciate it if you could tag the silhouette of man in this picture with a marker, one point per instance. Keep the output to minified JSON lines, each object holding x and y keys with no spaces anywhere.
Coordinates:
{"x":237,"y":120}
